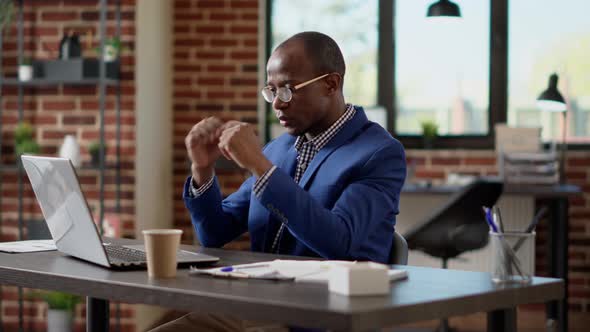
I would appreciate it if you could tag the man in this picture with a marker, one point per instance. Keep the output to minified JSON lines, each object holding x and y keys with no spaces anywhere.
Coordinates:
{"x":327,"y":188}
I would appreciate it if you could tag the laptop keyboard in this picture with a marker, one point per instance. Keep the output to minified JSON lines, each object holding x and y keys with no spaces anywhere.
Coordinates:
{"x":124,"y":254}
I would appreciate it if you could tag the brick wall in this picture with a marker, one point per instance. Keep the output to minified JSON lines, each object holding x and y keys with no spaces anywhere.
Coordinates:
{"x":215,"y":69}
{"x":57,"y":110}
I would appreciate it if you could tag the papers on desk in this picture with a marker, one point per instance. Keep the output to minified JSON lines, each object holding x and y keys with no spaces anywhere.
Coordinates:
{"x":27,"y":246}
{"x":288,"y":270}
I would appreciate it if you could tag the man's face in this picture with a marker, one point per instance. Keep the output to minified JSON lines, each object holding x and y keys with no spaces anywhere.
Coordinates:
{"x":308,"y":109}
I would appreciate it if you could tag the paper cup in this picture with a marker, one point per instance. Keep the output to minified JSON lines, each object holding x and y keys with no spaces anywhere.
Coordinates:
{"x":161,"y":246}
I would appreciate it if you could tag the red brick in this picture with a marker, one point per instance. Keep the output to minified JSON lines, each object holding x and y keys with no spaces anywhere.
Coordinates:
{"x":244,"y":4}
{"x":250,"y":16}
{"x":223,"y":42}
{"x":209,"y":29}
{"x":209,"y":4}
{"x":210,"y":81}
{"x":181,"y":29}
{"x":184,"y":4}
{"x":244,"y":81}
{"x":58,"y":105}
{"x":193,"y":42}
{"x":187,"y":68}
{"x":483,"y":161}
{"x":220,"y":94}
{"x":80,"y":90}
{"x":59,"y":16}
{"x":429,"y":174}
{"x":182,"y":82}
{"x":210,"y":55}
{"x":45,"y":119}
{"x":572,"y":161}
{"x":222,"y":16}
{"x":187,"y":94}
{"x":54,"y":134}
{"x":244,"y":55}
{"x":46,"y":31}
{"x":445,"y":161}
{"x":192,"y":17}
{"x":79,"y":120}
{"x":244,"y":29}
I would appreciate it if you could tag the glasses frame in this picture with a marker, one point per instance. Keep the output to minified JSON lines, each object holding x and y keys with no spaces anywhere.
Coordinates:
{"x":290,"y":89}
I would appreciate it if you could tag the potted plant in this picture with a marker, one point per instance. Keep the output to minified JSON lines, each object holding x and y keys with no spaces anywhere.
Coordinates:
{"x":112,"y":49}
{"x":6,"y":13}
{"x":60,"y":309}
{"x":429,"y":133}
{"x":23,"y":140}
{"x":94,"y":150}
{"x":25,"y":70}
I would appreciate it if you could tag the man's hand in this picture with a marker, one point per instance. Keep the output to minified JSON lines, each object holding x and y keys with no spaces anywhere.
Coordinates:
{"x":239,"y":143}
{"x":201,"y":146}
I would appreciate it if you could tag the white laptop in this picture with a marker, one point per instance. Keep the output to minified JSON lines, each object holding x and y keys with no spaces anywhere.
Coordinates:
{"x":68,"y":218}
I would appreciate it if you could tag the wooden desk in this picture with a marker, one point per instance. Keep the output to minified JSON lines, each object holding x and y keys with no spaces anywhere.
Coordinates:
{"x":427,"y":294}
{"x":558,"y":244}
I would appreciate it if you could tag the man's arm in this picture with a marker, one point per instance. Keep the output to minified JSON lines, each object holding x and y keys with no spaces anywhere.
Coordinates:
{"x":218,"y":221}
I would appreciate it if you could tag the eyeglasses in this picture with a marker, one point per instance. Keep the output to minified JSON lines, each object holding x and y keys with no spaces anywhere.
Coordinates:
{"x":285,"y":93}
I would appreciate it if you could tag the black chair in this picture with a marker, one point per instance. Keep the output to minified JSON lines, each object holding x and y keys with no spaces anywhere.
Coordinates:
{"x":457,"y":226}
{"x":399,"y":250}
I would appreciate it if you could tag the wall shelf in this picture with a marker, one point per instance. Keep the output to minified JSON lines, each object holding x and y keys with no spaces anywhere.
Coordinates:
{"x":46,"y":82}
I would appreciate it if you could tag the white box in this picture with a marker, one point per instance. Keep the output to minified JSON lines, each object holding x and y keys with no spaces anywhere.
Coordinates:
{"x":362,"y":278}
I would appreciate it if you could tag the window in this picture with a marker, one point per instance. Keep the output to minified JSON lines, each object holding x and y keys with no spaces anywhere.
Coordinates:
{"x":486,"y":68}
{"x":442,"y":68}
{"x":352,"y":24}
{"x":541,"y":42}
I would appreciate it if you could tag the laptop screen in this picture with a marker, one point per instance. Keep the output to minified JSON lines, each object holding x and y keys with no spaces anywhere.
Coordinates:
{"x":64,"y":207}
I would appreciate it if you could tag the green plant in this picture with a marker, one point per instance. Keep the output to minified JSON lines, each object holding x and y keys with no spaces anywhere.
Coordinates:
{"x":27,"y":61}
{"x":23,"y":132}
{"x":429,"y":129}
{"x":6,"y":13}
{"x":94,"y":147}
{"x":23,"y":140}
{"x":58,"y":300}
{"x":112,"y":47}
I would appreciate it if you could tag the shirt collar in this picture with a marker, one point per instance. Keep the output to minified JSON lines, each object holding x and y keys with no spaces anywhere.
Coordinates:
{"x":319,"y":141}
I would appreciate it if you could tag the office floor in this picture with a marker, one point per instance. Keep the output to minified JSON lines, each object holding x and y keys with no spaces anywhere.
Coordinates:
{"x":528,"y":321}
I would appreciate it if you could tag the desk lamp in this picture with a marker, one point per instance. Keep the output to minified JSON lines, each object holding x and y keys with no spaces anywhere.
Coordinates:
{"x":551,"y":100}
{"x":444,"y":8}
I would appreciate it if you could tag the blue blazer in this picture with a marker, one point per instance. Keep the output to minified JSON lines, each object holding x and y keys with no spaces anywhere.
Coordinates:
{"x":344,"y":206}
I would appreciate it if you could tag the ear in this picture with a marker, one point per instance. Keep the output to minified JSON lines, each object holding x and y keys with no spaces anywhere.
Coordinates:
{"x":333,"y":83}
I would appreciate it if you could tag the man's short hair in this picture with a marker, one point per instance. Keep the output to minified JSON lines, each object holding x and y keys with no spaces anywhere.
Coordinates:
{"x":322,"y":51}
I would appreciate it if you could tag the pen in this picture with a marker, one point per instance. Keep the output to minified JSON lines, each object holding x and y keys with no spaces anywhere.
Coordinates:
{"x":531,"y":227}
{"x":243,"y":267}
{"x":489,"y":220}
{"x":498,"y":218}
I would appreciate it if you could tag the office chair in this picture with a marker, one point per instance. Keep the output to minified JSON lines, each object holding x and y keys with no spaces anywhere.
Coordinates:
{"x":399,"y":250}
{"x":457,"y":226}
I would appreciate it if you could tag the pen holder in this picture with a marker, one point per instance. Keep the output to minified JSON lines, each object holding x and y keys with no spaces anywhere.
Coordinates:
{"x":513,"y":258}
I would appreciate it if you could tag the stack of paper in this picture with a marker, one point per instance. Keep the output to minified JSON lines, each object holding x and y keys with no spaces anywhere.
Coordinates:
{"x":27,"y":246}
{"x":295,"y":270}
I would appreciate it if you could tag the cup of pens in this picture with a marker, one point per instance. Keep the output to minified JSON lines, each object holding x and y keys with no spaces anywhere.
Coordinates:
{"x":513,"y":257}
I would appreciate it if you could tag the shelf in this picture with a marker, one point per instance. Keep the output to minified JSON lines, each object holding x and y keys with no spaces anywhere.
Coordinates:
{"x":43,"y":82}
{"x":108,"y":166}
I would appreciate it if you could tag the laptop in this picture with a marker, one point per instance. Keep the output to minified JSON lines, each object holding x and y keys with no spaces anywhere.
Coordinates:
{"x":70,"y":223}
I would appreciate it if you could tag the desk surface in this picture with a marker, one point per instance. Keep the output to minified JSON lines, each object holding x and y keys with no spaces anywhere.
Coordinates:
{"x":547,"y":191}
{"x":428,"y":293}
